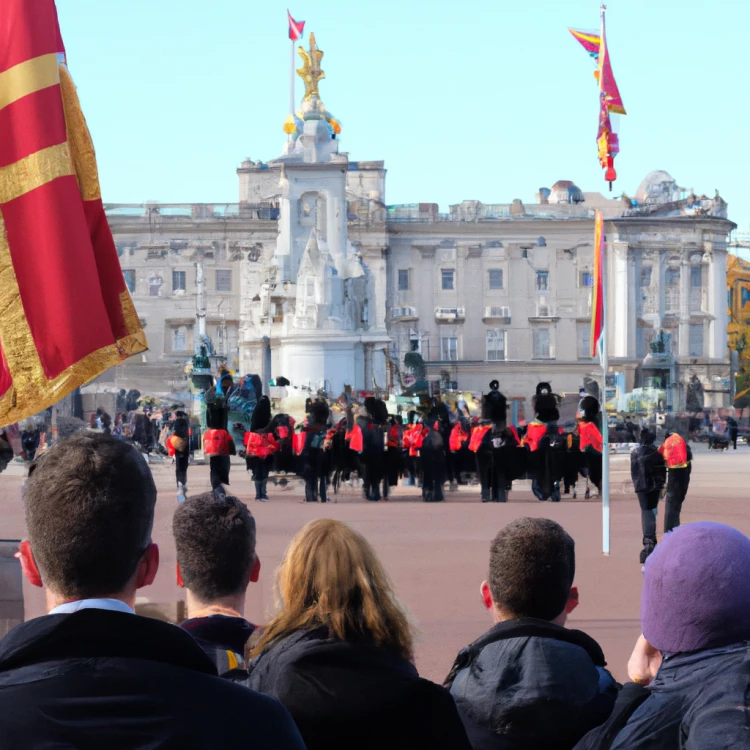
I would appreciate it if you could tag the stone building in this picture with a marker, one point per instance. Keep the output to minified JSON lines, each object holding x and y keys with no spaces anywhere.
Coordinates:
{"x":313,"y":277}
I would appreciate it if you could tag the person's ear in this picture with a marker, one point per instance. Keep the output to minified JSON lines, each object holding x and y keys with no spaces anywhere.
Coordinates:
{"x":255,"y":570}
{"x":572,"y":602}
{"x":28,"y":564}
{"x":148,"y":566}
{"x":180,"y":582}
{"x":486,"y":594}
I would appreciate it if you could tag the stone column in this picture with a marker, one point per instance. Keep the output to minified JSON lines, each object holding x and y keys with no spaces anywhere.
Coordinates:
{"x":619,"y":308}
{"x":717,"y":302}
{"x":368,"y":366}
{"x":684,"y":318}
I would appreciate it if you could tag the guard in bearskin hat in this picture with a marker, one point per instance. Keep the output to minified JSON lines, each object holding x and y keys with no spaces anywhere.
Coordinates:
{"x":546,"y":445}
{"x":589,"y":429}
{"x":315,"y":457}
{"x":217,"y":442}
{"x":371,"y":422}
{"x":432,"y":452}
{"x":495,"y":445}
{"x":260,"y":447}
{"x":178,"y":446}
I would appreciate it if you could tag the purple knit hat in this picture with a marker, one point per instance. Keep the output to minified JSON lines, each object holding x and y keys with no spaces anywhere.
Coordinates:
{"x":696,"y":590}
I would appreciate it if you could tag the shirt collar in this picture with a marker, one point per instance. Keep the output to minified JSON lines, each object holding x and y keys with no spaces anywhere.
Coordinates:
{"x":113,"y":605}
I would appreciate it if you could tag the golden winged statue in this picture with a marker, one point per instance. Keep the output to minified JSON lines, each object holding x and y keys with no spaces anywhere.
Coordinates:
{"x":311,"y":72}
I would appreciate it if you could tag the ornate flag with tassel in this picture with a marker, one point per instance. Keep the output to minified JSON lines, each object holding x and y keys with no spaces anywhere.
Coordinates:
{"x":65,"y":312}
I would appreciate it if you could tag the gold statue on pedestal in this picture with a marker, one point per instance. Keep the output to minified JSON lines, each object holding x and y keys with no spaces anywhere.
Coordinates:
{"x":311,"y":72}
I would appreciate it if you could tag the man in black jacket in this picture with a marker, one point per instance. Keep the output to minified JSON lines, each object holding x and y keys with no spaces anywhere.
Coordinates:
{"x":528,"y":682}
{"x":92,"y":673}
{"x":649,"y":474}
{"x":215,"y":538}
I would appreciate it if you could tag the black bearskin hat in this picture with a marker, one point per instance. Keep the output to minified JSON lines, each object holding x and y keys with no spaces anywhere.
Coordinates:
{"x":380,"y":415}
{"x":545,"y":407}
{"x":217,"y":416}
{"x":494,"y":406}
{"x":494,"y":386}
{"x":319,"y":412}
{"x":371,"y":405}
{"x":590,"y":408}
{"x":543,"y":389}
{"x":282,"y":381}
{"x":261,"y":415}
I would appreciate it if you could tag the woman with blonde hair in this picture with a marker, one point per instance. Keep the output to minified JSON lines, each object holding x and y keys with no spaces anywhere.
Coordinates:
{"x":339,"y":653}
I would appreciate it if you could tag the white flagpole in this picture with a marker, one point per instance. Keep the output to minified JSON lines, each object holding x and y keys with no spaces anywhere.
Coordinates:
{"x":605,"y":419}
{"x":604,"y":354}
{"x":291,"y":80}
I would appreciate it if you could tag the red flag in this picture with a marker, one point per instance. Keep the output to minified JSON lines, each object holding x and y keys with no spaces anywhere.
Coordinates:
{"x":597,"y":302}
{"x":295,"y":28}
{"x":607,"y":83}
{"x":65,"y":312}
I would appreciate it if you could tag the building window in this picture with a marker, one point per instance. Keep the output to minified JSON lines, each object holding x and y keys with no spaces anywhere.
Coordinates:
{"x":585,"y":278}
{"x":542,"y":281}
{"x":154,"y":285}
{"x":178,"y":281}
{"x":179,"y":339}
{"x":495,"y":346}
{"x":672,"y":277}
{"x":403,"y":279}
{"x":129,"y":280}
{"x":646,"y":276}
{"x":583,"y":338}
{"x":449,"y":349}
{"x":496,"y":278}
{"x":541,"y":343}
{"x":696,"y":339}
{"x":696,"y":277}
{"x":223,"y":280}
{"x":446,"y":276}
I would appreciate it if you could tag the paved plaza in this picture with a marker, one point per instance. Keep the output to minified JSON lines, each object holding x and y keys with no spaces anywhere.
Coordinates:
{"x":437,"y":553}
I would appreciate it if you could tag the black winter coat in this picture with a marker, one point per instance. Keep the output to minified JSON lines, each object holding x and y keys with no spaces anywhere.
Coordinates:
{"x":698,"y":701}
{"x":647,"y":468}
{"x":528,"y":684}
{"x":98,"y":679}
{"x":347,"y":696}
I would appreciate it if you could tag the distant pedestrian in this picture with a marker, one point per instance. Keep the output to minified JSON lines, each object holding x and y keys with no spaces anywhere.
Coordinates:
{"x":648,"y":472}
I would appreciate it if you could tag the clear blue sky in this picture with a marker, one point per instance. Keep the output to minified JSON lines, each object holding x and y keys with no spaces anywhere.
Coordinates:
{"x":479,"y":99}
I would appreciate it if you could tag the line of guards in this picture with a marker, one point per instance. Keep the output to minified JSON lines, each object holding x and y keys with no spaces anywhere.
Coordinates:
{"x":433,"y":448}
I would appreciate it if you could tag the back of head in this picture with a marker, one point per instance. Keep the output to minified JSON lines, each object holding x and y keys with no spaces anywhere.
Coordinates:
{"x":89,"y":513}
{"x":647,"y":437}
{"x":332,"y":577}
{"x":543,"y":389}
{"x":215,"y":538}
{"x":696,"y":589}
{"x":532,"y":565}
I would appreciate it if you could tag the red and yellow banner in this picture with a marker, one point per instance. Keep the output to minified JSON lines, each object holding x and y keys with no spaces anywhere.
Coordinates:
{"x":65,"y":312}
{"x":597,"y":302}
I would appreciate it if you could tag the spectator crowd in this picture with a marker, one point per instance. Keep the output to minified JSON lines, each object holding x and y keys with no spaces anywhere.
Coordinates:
{"x":334,"y":667}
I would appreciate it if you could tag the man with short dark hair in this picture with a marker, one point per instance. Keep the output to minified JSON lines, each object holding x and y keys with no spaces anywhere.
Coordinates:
{"x":529,"y":682}
{"x":92,"y":673}
{"x":215,"y":538}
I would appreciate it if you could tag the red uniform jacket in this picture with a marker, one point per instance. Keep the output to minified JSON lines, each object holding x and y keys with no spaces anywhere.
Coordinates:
{"x":260,"y":445}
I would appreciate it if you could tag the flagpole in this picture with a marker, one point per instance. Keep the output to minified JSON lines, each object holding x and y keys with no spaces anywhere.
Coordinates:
{"x":605,"y":418}
{"x":291,"y":80}
{"x":606,"y":520}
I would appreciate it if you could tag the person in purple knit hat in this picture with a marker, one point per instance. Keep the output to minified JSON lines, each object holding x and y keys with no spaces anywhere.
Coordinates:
{"x":691,"y":667}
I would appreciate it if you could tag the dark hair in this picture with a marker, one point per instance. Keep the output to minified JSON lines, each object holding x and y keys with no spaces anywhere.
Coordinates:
{"x":215,"y":538}
{"x":89,"y":513}
{"x":532,"y":564}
